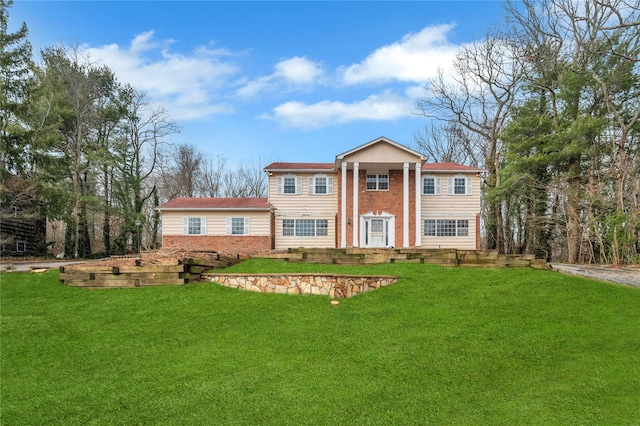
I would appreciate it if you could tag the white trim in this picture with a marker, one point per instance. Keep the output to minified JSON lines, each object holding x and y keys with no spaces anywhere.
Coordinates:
{"x":354,"y":219}
{"x":343,"y":210}
{"x":405,"y":205}
{"x":390,"y":227}
{"x":418,"y":200}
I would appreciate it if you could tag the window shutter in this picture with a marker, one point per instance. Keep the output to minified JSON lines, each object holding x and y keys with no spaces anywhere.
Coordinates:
{"x":185,"y":226}
{"x":229,"y":226}
{"x":468,"y":187}
{"x":438,"y":185}
{"x":247,"y":229}
{"x":203,"y":226}
{"x":298,"y":184}
{"x":280,"y":185}
{"x":329,"y":185}
{"x":450,"y":186}
{"x":312,"y":186}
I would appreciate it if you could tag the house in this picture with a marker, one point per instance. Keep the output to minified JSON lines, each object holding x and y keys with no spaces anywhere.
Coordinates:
{"x":380,"y":194}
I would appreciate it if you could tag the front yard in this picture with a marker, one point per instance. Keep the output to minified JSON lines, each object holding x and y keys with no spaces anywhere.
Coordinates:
{"x":442,"y":346}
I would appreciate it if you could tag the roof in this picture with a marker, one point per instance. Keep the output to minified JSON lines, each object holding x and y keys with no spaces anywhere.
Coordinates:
{"x":299,"y":166}
{"x":449,"y":167}
{"x":378,"y":140}
{"x":197,"y":203}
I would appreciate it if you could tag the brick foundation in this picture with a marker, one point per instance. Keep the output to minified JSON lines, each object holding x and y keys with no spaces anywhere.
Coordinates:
{"x":228,"y":245}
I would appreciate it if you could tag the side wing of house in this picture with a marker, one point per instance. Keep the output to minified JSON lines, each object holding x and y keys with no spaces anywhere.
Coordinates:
{"x":450,"y":207}
{"x":304,"y":200}
{"x":224,"y":230}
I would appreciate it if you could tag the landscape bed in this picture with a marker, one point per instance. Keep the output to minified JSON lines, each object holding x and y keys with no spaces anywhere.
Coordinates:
{"x":442,"y":346}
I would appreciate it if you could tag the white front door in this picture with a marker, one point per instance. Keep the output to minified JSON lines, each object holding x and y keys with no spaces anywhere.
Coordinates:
{"x":377,"y":230}
{"x":377,"y":234}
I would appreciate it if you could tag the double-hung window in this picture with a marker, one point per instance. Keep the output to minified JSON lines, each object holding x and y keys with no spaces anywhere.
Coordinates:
{"x":194,"y":225}
{"x":431,"y":185}
{"x":446,"y":228}
{"x":459,"y":185}
{"x":377,"y":182}
{"x":305,"y":227}
{"x":237,"y":226}
{"x":289,"y":185}
{"x":321,"y":185}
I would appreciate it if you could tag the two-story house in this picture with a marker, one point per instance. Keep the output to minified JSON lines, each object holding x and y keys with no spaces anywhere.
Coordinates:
{"x":380,"y":194}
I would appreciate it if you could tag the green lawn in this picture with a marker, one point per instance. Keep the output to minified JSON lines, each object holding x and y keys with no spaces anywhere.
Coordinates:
{"x":442,"y":346}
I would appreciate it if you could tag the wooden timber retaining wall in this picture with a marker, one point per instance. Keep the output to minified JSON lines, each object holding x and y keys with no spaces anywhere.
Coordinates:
{"x":444,"y":257}
{"x":164,"y":272}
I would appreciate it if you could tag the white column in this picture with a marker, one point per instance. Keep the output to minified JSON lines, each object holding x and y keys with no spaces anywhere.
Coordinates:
{"x":418,"y":204}
{"x":343,"y":210}
{"x":354,"y":220}
{"x":405,"y":205}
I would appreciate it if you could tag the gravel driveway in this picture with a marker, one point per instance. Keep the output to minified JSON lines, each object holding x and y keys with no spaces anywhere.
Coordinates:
{"x":620,"y":275}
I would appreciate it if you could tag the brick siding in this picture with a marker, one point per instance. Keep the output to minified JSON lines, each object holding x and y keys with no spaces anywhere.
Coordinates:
{"x":229,"y":245}
{"x":390,"y":201}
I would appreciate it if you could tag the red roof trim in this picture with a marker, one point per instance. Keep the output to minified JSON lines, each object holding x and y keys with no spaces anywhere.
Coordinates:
{"x":195,"y":203}
{"x":449,"y":167}
{"x":299,"y":166}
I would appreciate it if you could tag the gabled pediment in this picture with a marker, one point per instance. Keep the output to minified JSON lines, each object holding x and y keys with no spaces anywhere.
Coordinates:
{"x":381,"y":150}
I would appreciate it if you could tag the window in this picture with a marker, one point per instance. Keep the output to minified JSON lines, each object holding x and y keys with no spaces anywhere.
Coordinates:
{"x":378,"y":182}
{"x":321,"y":185}
{"x":288,"y":227}
{"x":237,"y":226}
{"x":431,"y":185}
{"x":21,"y":246}
{"x":194,"y":226}
{"x":305,"y":227}
{"x":289,"y":185}
{"x":446,"y":228}
{"x":459,"y":185}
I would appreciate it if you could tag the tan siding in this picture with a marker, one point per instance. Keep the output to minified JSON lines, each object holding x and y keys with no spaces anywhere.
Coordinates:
{"x":301,"y":203}
{"x":464,"y":243}
{"x":259,"y":222}
{"x":283,"y":242}
{"x":446,"y":206}
{"x":382,"y":153}
{"x":444,"y":203}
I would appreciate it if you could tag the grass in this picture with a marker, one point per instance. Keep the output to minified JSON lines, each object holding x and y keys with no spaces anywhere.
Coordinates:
{"x":442,"y":346}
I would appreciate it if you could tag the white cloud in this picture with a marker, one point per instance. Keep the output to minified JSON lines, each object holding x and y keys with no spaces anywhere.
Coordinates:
{"x":298,"y":70}
{"x":297,"y":73}
{"x":415,"y":58}
{"x":384,"y":106}
{"x":187,"y":85}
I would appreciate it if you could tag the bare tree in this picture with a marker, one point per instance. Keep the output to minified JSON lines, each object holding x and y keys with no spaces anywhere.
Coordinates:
{"x":213,"y":170}
{"x":181,"y":171}
{"x":449,"y":142}
{"x":478,"y":96}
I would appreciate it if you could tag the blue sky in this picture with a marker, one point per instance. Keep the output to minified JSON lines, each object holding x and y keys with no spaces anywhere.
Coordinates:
{"x":270,"y":81}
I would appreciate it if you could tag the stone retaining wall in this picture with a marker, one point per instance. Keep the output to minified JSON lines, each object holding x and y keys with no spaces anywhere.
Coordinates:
{"x":335,"y":286}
